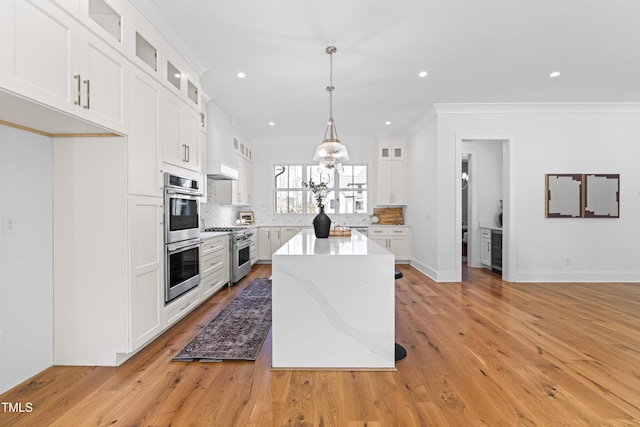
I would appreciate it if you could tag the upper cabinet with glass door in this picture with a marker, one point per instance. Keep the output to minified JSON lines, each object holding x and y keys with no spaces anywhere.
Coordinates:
{"x":108,"y":19}
{"x":392,"y":151}
{"x":391,"y":179}
{"x":181,"y":79}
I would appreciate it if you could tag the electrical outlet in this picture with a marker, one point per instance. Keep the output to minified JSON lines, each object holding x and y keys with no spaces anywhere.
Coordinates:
{"x":9,"y":224}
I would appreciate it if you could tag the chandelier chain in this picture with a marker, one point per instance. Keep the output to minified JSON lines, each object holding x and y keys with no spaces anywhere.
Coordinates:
{"x":330,"y":88}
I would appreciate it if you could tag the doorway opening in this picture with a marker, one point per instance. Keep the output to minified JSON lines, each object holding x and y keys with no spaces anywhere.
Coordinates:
{"x":482,"y":195}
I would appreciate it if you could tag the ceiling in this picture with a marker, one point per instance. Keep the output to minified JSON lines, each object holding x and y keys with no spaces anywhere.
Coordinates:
{"x":475,"y":51}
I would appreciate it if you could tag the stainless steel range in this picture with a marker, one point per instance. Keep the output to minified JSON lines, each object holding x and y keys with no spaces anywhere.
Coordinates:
{"x":240,"y":238}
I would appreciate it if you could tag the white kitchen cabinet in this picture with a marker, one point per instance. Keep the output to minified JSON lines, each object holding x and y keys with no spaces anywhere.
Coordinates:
{"x":39,"y":42}
{"x":214,"y":265}
{"x":93,"y":299}
{"x":147,"y":276}
{"x":268,"y":242}
{"x":395,"y":239}
{"x":145,"y":176}
{"x":286,"y":233}
{"x":181,"y":133}
{"x":270,"y":239}
{"x":145,"y":50}
{"x":104,"y":80}
{"x":109,"y":19}
{"x":49,"y":57}
{"x":253,"y":250}
{"x":485,"y":246}
{"x":244,"y":182}
{"x":391,"y":180}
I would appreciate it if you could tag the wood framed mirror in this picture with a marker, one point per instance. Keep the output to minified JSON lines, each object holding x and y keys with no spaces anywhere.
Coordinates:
{"x":582,"y":195}
{"x":602,"y":196}
{"x":563,"y":195}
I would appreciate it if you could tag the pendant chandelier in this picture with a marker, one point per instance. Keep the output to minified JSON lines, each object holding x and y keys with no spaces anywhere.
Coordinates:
{"x":330,"y":154}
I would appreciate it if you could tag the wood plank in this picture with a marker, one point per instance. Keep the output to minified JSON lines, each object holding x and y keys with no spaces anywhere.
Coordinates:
{"x":389,"y":216}
{"x":481,"y":352}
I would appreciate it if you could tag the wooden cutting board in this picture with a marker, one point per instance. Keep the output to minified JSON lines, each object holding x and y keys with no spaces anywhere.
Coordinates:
{"x":387,"y":216}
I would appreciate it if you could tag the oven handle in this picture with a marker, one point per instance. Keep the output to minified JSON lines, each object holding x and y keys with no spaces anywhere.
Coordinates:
{"x":242,"y":244}
{"x":184,"y":193}
{"x":180,"y":246}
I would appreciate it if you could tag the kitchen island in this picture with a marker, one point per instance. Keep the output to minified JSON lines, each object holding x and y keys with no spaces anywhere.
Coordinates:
{"x":333,"y":304}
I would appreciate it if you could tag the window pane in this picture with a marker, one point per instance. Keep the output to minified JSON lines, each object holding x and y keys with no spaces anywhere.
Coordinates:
{"x":312,"y":173}
{"x":330,"y":203}
{"x":295,"y":176}
{"x":353,"y":201}
{"x":288,"y":176}
{"x":288,"y":201}
{"x":354,"y":177}
{"x":280,"y":173}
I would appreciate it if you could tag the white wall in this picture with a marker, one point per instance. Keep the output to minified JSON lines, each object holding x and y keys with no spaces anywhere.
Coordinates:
{"x":422,"y":192}
{"x":544,"y":139}
{"x":26,"y":283}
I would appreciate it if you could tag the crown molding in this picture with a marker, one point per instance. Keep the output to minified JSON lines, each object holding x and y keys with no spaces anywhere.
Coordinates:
{"x":537,"y":108}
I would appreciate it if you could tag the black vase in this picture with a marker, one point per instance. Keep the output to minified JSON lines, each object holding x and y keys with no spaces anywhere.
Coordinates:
{"x":322,"y":224}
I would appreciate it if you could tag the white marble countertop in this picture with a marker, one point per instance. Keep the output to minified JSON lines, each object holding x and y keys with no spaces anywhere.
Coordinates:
{"x":490,"y":225}
{"x":306,"y":243}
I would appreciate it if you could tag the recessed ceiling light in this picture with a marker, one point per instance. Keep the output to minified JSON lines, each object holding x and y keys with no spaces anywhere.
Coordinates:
{"x":241,"y":75}
{"x":176,"y":75}
{"x":272,"y":123}
{"x":554,"y":74}
{"x":387,"y":123}
{"x":423,"y":74}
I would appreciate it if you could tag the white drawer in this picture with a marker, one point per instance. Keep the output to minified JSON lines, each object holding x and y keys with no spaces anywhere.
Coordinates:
{"x":398,"y":231}
{"x":177,"y":309}
{"x":214,"y":280}
{"x":377,"y":232}
{"x":485,"y":232}
{"x":388,"y":231}
{"x":211,"y":262}
{"x":213,"y":245}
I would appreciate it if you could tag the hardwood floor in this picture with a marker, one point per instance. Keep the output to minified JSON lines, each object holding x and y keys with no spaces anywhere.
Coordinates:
{"x":480,"y":353}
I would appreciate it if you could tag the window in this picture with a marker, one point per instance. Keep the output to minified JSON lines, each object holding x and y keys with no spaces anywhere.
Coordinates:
{"x":348,"y":191}
{"x":289,"y":190}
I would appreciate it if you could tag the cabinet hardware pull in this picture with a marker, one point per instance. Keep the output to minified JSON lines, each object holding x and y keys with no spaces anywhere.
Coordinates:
{"x":77,"y":77}
{"x":88,"y":83}
{"x":188,"y":154}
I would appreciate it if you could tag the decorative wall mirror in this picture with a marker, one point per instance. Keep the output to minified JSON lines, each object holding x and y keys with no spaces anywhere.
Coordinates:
{"x":563,"y":195}
{"x":582,"y":195}
{"x":602,"y":196}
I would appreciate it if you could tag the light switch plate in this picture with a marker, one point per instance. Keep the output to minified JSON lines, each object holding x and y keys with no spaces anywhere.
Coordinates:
{"x":9,"y":225}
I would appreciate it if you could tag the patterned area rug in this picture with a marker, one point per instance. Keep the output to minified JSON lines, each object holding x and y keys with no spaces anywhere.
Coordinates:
{"x":238,"y":331}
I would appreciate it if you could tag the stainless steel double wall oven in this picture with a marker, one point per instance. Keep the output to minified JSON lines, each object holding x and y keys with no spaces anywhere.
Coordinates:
{"x":181,"y":236}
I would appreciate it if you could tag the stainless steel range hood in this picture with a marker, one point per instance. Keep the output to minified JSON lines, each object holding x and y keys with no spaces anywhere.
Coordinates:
{"x":221,"y":171}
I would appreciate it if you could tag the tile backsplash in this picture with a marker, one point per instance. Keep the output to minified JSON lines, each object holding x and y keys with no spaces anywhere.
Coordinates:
{"x":215,"y":215}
